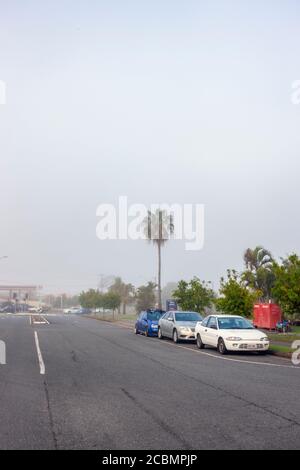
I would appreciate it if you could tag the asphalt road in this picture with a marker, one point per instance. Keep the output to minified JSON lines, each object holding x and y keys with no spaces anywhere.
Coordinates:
{"x":106,"y":388}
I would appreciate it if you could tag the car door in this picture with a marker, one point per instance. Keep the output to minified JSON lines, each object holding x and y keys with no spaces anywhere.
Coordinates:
{"x":162,"y":324}
{"x":202,"y":329}
{"x":139,"y":321}
{"x":144,"y":323}
{"x":212,"y":333}
{"x":170,"y":325}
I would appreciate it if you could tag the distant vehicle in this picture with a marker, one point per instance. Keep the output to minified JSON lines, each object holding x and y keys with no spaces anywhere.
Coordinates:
{"x":230,"y":333}
{"x":72,"y":310}
{"x":7,"y":307}
{"x":178,"y":325}
{"x":32,"y":309}
{"x":77,"y":310}
{"x":84,"y":311}
{"x":147,"y":322}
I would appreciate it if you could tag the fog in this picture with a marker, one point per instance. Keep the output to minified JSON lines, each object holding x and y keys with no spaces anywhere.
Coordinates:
{"x":161,"y":101}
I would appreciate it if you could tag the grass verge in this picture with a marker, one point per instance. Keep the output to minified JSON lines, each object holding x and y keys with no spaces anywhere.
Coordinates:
{"x":112,"y":318}
{"x":281,"y":350}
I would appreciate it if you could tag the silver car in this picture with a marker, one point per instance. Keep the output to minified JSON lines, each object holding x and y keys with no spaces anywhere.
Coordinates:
{"x":178,"y":325}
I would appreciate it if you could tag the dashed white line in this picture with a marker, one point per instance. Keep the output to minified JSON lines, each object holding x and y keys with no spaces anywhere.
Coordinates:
{"x":40,"y":357}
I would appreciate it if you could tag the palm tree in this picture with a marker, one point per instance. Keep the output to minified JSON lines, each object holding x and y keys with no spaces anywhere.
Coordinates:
{"x":259,"y":270}
{"x":158,"y":228}
{"x":258,"y":258}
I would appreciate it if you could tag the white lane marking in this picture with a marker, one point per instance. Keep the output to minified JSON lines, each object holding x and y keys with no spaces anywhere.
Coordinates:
{"x":233,"y":360}
{"x":40,"y":357}
{"x":215,"y":356}
{"x":41,"y":321}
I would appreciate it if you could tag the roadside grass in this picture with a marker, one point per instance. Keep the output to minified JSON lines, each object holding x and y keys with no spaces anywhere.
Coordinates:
{"x":283,"y":337}
{"x":110,"y":317}
{"x":281,"y":350}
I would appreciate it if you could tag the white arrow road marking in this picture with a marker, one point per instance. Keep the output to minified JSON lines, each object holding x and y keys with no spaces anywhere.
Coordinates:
{"x":40,"y":357}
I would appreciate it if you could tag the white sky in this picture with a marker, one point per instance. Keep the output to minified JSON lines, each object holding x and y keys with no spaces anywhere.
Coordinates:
{"x":162,"y":101}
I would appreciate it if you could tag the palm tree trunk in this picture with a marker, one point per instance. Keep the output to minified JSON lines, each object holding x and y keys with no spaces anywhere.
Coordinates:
{"x":159,"y":275}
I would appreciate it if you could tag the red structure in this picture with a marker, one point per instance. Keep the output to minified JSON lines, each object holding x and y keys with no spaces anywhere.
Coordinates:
{"x":266,"y":315}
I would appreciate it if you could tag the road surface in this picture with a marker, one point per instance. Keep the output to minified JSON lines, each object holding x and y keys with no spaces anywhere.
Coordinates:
{"x":79,"y":383}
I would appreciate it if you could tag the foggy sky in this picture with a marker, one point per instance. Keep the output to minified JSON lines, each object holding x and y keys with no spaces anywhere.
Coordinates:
{"x":162,"y":101}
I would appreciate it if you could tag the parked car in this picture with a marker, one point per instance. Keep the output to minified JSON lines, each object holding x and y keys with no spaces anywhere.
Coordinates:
{"x":32,"y":309}
{"x":147,"y":322}
{"x":72,"y":310}
{"x":84,"y":311}
{"x":178,"y":325}
{"x":7,"y":307}
{"x":77,"y":310}
{"x":230,"y":333}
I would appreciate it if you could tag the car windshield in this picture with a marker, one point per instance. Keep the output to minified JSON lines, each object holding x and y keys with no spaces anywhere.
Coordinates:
{"x":188,"y":316}
{"x":154,"y":316}
{"x":234,"y":323}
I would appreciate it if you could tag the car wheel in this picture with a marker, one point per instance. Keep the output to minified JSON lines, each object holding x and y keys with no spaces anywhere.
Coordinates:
{"x":159,"y":334}
{"x":175,"y":336}
{"x":200,"y":345}
{"x":221,"y":346}
{"x":146,"y":332}
{"x":136,"y":330}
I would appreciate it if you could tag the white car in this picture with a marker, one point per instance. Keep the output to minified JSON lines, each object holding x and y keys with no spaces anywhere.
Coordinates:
{"x":72,"y":310}
{"x":35,"y":309}
{"x":230,"y":333}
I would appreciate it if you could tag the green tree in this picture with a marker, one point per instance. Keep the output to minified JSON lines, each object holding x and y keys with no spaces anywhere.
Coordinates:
{"x":117,"y":288}
{"x":145,"y":297}
{"x":127,"y":296}
{"x":89,"y":299}
{"x":286,"y":290}
{"x":259,"y":273}
{"x":158,"y":228}
{"x":125,"y":291}
{"x":195,"y":295}
{"x":111,"y":301}
{"x":236,"y":298}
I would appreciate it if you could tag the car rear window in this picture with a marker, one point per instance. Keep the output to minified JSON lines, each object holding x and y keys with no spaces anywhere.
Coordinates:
{"x":188,"y":316}
{"x":154,"y":316}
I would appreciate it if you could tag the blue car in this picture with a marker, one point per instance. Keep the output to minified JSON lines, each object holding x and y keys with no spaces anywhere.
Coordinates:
{"x":147,"y":322}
